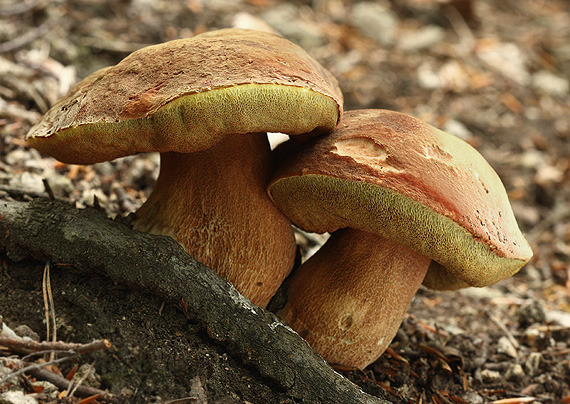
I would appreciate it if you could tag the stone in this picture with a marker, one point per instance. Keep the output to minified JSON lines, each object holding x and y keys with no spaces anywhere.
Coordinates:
{"x":376,"y":21}
{"x":422,"y":38}
{"x":505,"y":347}
{"x":16,"y":397}
{"x":514,"y":372}
{"x":547,"y":82}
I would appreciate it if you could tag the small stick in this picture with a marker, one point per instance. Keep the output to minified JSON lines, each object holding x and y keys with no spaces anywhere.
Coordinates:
{"x":71,"y":391}
{"x":18,"y":8}
{"x":33,"y":367}
{"x":25,"y":347}
{"x":515,"y":400}
{"x":45,"y":298}
{"x":504,"y":329}
{"x":49,"y":305}
{"x":25,"y":38}
{"x":48,"y":189}
{"x":63,"y":384}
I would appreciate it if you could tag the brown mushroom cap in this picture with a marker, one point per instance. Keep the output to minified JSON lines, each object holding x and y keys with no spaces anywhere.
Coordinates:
{"x":185,"y":95}
{"x":205,"y":103}
{"x":395,"y":193}
{"x":393,"y":175}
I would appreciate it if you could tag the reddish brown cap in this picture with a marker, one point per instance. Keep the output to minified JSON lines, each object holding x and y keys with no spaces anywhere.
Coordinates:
{"x":393,"y":175}
{"x":185,"y":95}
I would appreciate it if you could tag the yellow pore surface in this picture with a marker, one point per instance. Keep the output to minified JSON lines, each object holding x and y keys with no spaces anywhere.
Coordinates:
{"x":322,"y":203}
{"x":189,"y":123}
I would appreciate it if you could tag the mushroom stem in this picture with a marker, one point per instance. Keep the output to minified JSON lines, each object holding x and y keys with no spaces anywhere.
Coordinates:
{"x":349,"y":299}
{"x":215,"y":204}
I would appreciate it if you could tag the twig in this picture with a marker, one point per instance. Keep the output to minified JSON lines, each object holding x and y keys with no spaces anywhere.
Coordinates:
{"x":509,"y":335}
{"x":461,"y":28}
{"x":63,"y":384}
{"x":78,"y":384}
{"x":19,"y":8}
{"x":48,"y":189}
{"x":46,"y":304}
{"x":18,"y":345}
{"x":35,"y":366}
{"x":515,"y":400}
{"x":185,"y":400}
{"x":16,"y":112}
{"x":49,"y":306}
{"x":550,"y":220}
{"x":25,"y":347}
{"x":25,"y":38}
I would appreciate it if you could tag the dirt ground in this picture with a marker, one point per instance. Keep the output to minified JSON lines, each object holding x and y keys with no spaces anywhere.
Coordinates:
{"x":494,"y":73}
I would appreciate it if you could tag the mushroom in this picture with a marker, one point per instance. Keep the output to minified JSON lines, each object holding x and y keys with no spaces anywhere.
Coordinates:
{"x":397,"y":194}
{"x":205,"y":104}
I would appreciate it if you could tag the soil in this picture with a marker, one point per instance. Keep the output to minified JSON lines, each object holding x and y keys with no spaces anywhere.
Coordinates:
{"x":495,"y":73}
{"x":157,"y":354}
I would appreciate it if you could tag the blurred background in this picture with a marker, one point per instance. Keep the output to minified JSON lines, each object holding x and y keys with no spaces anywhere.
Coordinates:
{"x":494,"y":73}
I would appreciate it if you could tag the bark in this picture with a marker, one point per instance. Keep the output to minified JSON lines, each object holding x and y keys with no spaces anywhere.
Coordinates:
{"x":88,"y":240}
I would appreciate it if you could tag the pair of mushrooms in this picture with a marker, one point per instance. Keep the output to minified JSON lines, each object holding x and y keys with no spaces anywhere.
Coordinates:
{"x":405,"y":202}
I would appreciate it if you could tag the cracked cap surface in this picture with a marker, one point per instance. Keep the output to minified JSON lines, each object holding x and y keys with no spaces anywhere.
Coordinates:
{"x":393,"y":175}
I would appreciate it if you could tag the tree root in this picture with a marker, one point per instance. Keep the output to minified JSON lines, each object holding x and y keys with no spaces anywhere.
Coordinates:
{"x":88,"y":240}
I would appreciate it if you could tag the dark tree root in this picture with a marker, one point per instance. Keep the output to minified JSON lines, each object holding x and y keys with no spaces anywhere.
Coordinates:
{"x":88,"y":240}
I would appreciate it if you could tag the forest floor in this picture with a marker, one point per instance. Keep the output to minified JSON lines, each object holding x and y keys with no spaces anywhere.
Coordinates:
{"x":494,"y":73}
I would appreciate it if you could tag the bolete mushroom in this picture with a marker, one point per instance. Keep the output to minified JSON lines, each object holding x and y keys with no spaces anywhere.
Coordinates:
{"x":205,"y":104}
{"x":397,"y":194}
